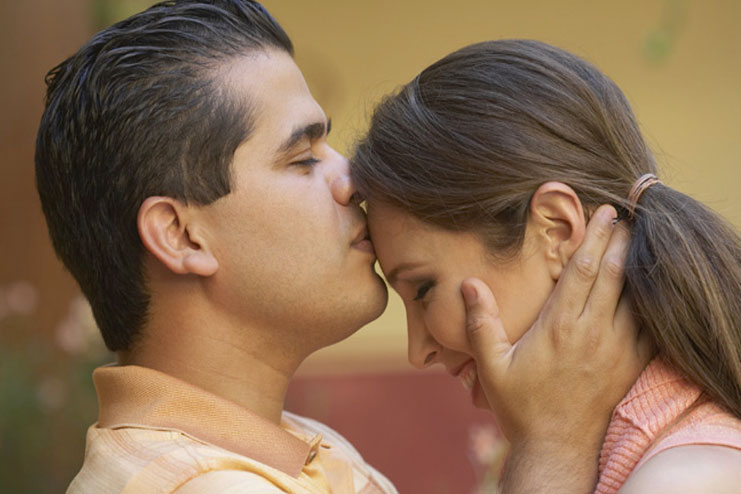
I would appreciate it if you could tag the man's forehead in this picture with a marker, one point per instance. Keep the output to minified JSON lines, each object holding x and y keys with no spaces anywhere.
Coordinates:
{"x":283,"y":129}
{"x":282,"y":109}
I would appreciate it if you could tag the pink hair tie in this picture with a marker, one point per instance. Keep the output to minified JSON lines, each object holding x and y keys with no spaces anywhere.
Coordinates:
{"x":640,"y":185}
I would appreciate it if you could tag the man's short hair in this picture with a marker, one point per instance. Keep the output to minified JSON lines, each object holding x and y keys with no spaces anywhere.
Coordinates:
{"x":141,"y":110}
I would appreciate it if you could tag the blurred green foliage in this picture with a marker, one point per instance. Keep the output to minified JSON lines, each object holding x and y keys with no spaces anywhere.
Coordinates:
{"x":47,"y":402}
{"x":661,"y":41}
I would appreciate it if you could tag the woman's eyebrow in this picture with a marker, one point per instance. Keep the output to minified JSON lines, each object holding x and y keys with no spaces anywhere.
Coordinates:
{"x":393,"y":275}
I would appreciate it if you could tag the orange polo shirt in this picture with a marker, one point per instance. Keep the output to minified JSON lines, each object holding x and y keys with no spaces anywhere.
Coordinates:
{"x":158,"y":434}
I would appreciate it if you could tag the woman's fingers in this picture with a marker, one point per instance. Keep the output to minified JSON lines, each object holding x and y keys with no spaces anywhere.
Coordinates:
{"x":608,"y":286}
{"x":489,"y":341}
{"x":575,"y":284}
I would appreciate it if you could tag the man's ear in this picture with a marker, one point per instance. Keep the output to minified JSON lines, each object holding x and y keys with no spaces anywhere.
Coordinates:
{"x":164,"y":228}
{"x":557,"y":216}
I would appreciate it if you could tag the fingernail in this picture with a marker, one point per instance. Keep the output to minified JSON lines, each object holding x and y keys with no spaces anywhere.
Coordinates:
{"x":609,"y":214}
{"x":470,"y":294}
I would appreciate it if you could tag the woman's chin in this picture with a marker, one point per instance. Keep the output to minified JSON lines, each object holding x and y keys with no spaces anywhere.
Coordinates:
{"x":478,"y":397}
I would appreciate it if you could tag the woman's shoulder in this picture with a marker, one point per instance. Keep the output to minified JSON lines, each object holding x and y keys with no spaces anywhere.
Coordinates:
{"x":662,"y":416}
{"x":695,"y":468}
{"x":701,"y":453}
{"x":705,"y":423}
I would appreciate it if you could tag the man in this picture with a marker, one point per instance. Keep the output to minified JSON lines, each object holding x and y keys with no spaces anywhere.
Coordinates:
{"x":187,"y":183}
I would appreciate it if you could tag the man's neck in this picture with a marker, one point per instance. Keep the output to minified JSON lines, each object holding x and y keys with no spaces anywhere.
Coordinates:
{"x":199,"y":348}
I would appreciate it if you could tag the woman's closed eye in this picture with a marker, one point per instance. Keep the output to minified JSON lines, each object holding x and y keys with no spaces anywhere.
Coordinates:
{"x":423,"y":289}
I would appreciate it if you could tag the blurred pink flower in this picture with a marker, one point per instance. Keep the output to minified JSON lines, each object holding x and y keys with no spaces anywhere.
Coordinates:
{"x":488,"y":450}
{"x":21,"y":297}
{"x":77,"y":333}
{"x":485,"y":441}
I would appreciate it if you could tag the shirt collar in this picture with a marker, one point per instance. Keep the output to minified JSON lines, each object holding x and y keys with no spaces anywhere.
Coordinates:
{"x":138,"y":396}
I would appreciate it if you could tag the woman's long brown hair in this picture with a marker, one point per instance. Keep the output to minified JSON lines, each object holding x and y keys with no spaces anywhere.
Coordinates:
{"x":466,"y":143}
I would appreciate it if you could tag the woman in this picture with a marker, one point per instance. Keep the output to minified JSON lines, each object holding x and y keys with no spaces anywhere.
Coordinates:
{"x":489,"y":164}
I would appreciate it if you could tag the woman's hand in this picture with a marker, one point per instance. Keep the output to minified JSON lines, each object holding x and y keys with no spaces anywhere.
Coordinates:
{"x":554,"y":390}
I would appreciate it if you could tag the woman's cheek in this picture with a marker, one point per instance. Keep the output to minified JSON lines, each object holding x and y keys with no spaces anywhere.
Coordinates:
{"x":446,"y":320}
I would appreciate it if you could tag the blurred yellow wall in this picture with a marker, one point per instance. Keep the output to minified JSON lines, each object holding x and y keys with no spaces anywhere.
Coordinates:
{"x":679,"y":62}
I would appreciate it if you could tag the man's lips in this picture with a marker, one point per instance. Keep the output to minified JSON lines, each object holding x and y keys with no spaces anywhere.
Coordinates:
{"x":363,"y":242}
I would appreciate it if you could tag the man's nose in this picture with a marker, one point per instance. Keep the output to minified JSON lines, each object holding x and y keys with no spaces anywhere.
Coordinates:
{"x":340,"y":181}
{"x":422,"y":348}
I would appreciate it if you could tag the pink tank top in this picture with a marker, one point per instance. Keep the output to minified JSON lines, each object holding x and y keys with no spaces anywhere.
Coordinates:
{"x":655,"y":415}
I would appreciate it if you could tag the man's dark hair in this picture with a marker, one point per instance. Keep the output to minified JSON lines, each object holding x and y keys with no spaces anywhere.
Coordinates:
{"x":141,"y":110}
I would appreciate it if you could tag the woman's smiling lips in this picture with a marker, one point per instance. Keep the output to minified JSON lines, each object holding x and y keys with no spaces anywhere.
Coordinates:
{"x":466,"y":373}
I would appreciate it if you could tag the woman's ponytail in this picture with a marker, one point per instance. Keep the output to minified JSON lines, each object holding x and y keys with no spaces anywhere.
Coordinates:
{"x":684,"y":276}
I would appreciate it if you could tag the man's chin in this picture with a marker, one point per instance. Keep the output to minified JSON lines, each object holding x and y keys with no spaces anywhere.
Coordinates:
{"x":374,"y":304}
{"x":367,"y":309}
{"x":381,"y":300}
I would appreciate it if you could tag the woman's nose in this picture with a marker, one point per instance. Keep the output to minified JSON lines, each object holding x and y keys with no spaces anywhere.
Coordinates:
{"x":422,"y":348}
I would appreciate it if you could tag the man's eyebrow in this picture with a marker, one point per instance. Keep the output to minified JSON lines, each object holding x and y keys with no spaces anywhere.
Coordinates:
{"x":405,"y":266}
{"x":312,"y":131}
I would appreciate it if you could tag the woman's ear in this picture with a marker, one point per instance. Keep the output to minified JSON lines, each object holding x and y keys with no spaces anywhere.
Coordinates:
{"x":557,"y":216}
{"x":164,"y":228}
